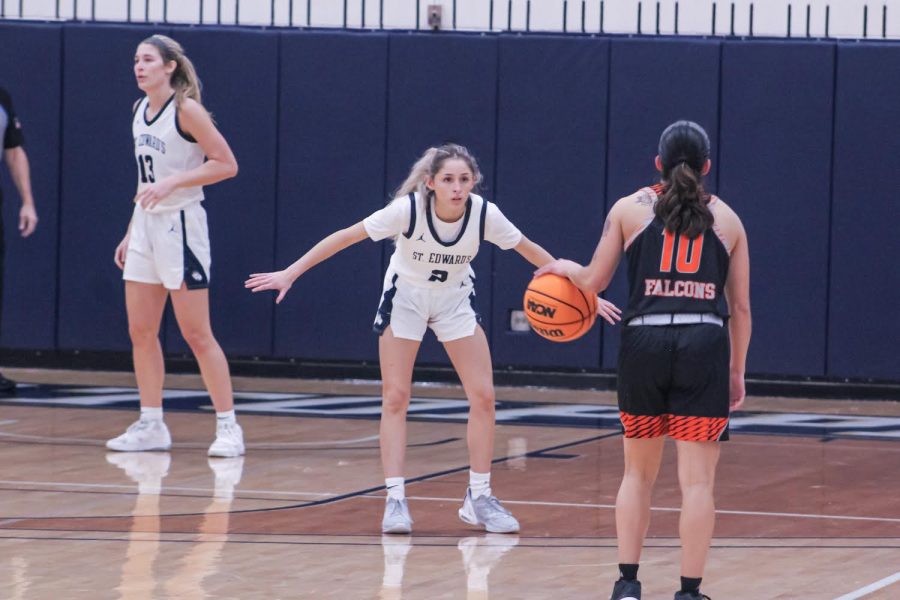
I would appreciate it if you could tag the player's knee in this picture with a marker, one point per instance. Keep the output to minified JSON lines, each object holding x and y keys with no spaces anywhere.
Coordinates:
{"x":200,"y":340}
{"x":142,"y":335}
{"x":482,"y":399}
{"x":395,"y":400}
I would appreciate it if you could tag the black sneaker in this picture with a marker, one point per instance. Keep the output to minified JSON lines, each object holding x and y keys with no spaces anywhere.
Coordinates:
{"x":691,"y":596}
{"x":6,"y":385}
{"x":626,"y":590}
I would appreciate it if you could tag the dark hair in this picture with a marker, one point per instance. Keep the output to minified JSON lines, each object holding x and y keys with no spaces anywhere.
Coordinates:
{"x":683,"y":152}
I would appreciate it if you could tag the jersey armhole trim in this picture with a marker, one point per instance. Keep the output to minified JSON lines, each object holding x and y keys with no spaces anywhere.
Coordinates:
{"x":484,"y":205}
{"x":412,"y":216}
{"x":186,"y":136}
{"x":640,"y":230}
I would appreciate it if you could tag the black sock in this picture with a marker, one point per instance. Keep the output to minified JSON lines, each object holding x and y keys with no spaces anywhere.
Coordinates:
{"x":690,"y":584}
{"x":628,"y":572}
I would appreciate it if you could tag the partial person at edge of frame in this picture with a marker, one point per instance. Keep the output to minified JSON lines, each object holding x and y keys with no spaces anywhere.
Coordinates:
{"x":680,"y":372}
{"x":438,"y":225}
{"x":166,"y":251}
{"x":17,"y":161}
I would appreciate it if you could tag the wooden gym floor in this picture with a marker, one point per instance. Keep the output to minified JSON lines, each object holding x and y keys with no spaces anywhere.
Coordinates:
{"x":807,"y":498}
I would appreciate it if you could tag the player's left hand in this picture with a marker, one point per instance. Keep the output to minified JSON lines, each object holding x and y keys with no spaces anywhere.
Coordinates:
{"x":609,"y":311}
{"x":27,"y":219}
{"x":154,"y":193}
{"x":280,"y":281}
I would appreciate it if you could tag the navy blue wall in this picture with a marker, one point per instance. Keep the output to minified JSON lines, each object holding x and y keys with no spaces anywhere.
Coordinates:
{"x":864,"y":298}
{"x":325,"y":125}
{"x":652,"y":83}
{"x":30,"y":273}
{"x":98,"y":182}
{"x":551,"y":156}
{"x":774,"y":152}
{"x":331,"y":161}
{"x":240,"y":211}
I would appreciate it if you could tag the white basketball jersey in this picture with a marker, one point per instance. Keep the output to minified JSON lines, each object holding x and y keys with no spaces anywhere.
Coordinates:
{"x":423,"y":259}
{"x":162,"y":149}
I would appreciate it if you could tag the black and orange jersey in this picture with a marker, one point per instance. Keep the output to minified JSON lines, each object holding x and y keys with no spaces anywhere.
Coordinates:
{"x":670,"y":273}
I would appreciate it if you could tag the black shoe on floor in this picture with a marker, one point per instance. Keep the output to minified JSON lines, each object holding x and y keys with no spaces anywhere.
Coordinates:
{"x":6,"y":385}
{"x":691,"y":596}
{"x":626,"y":590}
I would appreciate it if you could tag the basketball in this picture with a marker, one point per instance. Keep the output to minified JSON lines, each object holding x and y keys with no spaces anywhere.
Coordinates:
{"x":557,"y":310}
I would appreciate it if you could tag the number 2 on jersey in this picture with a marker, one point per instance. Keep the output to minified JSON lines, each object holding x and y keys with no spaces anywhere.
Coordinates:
{"x":686,"y":247}
{"x":146,"y":172}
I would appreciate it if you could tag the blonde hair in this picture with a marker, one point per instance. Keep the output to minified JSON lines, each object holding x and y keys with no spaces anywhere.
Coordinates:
{"x":184,"y":78}
{"x":429,"y":165}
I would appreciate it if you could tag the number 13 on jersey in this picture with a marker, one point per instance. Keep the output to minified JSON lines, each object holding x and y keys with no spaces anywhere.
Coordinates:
{"x":146,"y":171}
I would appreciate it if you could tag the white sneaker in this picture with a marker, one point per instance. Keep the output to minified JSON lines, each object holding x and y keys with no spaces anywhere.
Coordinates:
{"x":487,"y":511}
{"x":228,"y":473}
{"x":229,"y":441}
{"x":147,"y":469}
{"x":396,"y":517}
{"x":142,"y":436}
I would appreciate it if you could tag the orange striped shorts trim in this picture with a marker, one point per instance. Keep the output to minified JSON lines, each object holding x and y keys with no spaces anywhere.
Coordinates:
{"x":690,"y":429}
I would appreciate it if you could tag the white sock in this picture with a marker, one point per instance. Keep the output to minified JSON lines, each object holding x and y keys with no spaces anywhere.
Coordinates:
{"x":151,"y":413}
{"x":396,"y":487}
{"x":226,"y":416}
{"x":480,"y":484}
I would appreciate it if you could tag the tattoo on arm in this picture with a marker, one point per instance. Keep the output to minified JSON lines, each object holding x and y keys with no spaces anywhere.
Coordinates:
{"x":644,"y":198}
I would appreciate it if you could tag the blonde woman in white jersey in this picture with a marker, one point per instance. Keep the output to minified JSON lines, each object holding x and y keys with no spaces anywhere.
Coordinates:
{"x":165,"y":252}
{"x":438,"y":225}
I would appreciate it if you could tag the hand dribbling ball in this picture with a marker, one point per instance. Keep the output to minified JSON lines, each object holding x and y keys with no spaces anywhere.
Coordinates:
{"x":557,"y":310}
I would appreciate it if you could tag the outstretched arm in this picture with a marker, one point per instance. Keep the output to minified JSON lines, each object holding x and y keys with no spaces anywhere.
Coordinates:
{"x":532,"y":252}
{"x":325,"y":249}
{"x":595,"y":277}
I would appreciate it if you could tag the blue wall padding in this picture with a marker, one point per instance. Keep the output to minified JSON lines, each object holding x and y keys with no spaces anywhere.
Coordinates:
{"x":99,"y":178}
{"x":241,"y":211}
{"x":774,"y":152}
{"x":653,"y":83}
{"x":31,"y":74}
{"x":864,"y":298}
{"x":325,"y":125}
{"x":443,"y":88}
{"x":551,"y":149}
{"x":331,"y":172}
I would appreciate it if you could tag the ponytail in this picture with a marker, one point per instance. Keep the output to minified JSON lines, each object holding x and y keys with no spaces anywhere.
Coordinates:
{"x":184,"y":78}
{"x":415,"y":181}
{"x":683,"y":207}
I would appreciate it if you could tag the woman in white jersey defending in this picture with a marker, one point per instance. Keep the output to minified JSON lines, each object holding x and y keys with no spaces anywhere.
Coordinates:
{"x":438,"y":225}
{"x":165,"y":251}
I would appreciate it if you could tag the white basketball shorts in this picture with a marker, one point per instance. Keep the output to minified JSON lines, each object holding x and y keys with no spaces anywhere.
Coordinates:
{"x":169,"y":248}
{"x":409,"y":310}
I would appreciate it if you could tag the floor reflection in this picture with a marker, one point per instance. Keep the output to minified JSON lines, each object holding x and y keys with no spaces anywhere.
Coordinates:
{"x":480,"y":555}
{"x":138,"y":581}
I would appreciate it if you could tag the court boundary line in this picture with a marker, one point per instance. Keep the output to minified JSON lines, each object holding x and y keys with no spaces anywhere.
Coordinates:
{"x":872,"y":587}
{"x":377,"y":542}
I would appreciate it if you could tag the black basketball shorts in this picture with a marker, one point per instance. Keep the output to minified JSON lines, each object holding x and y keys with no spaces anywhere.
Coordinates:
{"x":674,"y":380}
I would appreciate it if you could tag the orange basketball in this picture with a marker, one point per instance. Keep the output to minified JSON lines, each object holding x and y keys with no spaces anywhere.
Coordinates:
{"x":557,"y":310}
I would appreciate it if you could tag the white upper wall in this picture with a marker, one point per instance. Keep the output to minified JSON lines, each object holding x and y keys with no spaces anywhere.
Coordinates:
{"x":695,"y":17}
